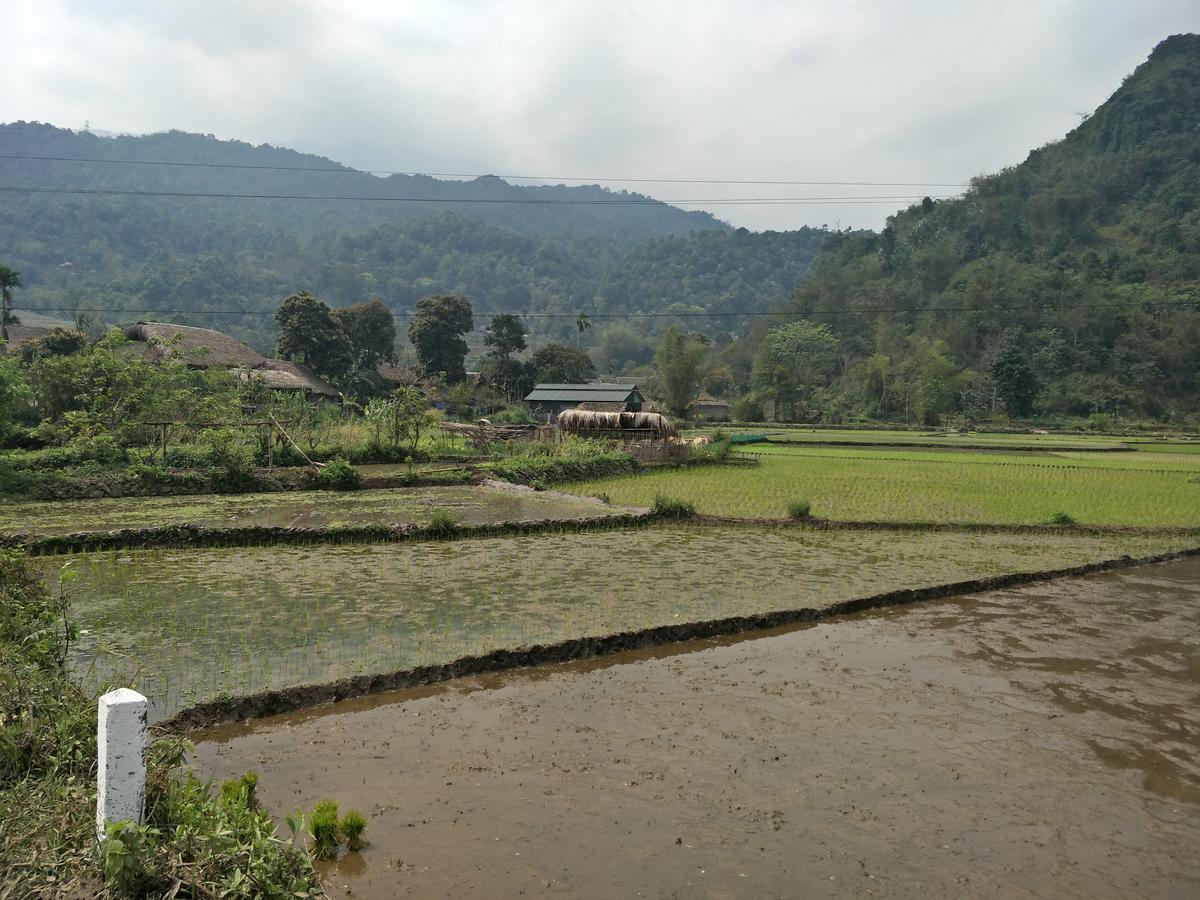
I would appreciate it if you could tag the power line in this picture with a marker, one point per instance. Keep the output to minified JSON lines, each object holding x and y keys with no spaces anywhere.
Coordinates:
{"x":344,"y":170}
{"x":625,"y":201}
{"x":657,"y":315}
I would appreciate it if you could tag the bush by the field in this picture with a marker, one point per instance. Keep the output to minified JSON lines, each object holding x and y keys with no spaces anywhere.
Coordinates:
{"x":192,"y":843}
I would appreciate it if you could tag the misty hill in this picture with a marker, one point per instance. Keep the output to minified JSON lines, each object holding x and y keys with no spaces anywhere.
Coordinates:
{"x":1087,"y":255}
{"x":181,"y":259}
{"x":590,"y":210}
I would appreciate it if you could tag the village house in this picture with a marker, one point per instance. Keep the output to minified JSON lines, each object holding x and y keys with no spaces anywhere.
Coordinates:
{"x":203,"y":348}
{"x":551,"y":399}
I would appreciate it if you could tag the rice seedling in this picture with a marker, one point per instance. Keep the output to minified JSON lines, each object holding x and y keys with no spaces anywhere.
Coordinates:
{"x":353,"y":824}
{"x":325,"y":829}
{"x":909,"y":486}
{"x":202,"y":623}
{"x":799,"y":509}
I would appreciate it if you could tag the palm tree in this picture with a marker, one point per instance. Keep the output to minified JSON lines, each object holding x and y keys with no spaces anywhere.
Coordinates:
{"x":9,"y":279}
{"x":583,"y":325}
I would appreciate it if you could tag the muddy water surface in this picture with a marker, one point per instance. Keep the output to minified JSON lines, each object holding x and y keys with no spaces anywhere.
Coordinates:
{"x":1037,"y":742}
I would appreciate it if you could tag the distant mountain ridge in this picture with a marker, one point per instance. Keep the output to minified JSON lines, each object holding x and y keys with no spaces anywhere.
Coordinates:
{"x":226,"y":263}
{"x":241,"y":168}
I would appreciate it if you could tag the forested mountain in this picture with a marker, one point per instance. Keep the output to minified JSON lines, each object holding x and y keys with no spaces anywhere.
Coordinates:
{"x":1081,"y":266}
{"x":182,"y":258}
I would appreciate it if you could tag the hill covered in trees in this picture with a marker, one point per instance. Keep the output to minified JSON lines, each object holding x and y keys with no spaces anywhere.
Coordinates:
{"x":1066,"y":285}
{"x":184,"y":258}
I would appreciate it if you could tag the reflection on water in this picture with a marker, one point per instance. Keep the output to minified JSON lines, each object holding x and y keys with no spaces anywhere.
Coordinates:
{"x":1120,"y":652}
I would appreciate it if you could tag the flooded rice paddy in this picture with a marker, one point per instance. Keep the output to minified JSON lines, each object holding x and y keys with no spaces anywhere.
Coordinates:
{"x":305,"y":509}
{"x":186,"y":625}
{"x":1034,"y":742}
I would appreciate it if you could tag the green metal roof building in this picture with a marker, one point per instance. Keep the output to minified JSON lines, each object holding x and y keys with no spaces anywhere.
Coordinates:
{"x":551,"y":399}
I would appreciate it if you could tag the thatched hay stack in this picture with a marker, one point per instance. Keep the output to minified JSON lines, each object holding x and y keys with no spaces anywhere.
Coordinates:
{"x":610,"y":424}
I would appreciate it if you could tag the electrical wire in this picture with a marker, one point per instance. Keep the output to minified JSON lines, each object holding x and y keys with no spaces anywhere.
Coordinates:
{"x":344,"y":170}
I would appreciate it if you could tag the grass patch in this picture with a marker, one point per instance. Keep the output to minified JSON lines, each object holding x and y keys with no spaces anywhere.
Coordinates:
{"x":672,"y":508}
{"x":799,"y":509}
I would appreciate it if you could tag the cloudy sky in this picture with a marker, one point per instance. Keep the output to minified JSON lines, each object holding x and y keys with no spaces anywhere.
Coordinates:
{"x":807,"y":90}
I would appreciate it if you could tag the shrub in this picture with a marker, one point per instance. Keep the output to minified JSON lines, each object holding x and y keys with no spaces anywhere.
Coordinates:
{"x":672,"y":508}
{"x":353,"y":825}
{"x":1061,"y":518}
{"x":799,"y":509}
{"x":339,"y":475}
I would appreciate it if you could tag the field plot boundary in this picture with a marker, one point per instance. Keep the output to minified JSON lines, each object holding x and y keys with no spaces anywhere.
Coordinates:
{"x":190,"y":536}
{"x":266,"y":703}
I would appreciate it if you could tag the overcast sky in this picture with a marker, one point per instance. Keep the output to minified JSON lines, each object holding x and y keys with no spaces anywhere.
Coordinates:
{"x":802,"y":90}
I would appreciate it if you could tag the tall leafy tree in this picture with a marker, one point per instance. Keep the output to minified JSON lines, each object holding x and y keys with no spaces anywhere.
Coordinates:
{"x":505,"y":335}
{"x":371,"y":329}
{"x":795,"y":359}
{"x":310,"y":334}
{"x":437,"y":332}
{"x":512,"y":378}
{"x":560,"y":364}
{"x":680,"y":359}
{"x":1016,"y":382}
{"x":9,"y":279}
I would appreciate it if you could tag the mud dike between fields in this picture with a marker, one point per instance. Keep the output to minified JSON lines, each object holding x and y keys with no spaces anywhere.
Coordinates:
{"x":1041,"y":740}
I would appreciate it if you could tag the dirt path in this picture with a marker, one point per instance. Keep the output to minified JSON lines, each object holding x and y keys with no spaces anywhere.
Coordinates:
{"x":1042,"y":741}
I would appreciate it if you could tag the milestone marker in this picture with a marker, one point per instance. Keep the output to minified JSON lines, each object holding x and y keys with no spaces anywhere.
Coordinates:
{"x":121,"y":758}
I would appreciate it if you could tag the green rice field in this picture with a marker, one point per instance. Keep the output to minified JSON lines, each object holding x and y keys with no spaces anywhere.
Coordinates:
{"x":898,"y":485}
{"x":187,"y":625}
{"x":469,"y":505}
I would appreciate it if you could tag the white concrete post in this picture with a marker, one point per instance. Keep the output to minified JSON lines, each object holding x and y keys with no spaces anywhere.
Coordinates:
{"x":121,"y":758}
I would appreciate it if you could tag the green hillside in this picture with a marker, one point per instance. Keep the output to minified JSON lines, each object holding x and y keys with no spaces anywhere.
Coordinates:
{"x":1081,"y":263}
{"x":184,"y":258}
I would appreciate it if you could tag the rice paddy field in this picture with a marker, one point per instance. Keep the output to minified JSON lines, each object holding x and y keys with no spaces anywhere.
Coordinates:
{"x":469,"y":505}
{"x":1146,"y":488}
{"x":187,"y":625}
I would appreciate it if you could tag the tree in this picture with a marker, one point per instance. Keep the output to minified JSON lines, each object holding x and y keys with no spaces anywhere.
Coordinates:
{"x":794,"y":360}
{"x":1016,"y":382}
{"x":582,"y":324}
{"x":680,"y":360}
{"x":560,"y":364}
{"x":371,"y":330}
{"x":310,"y":334}
{"x":505,"y":335}
{"x":9,"y":279}
{"x":437,"y":332}
{"x":719,"y":382}
{"x":14,"y":394}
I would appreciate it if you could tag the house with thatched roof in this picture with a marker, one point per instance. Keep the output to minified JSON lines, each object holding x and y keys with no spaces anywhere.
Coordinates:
{"x":553,"y":399}
{"x":198,"y":348}
{"x":203,"y":348}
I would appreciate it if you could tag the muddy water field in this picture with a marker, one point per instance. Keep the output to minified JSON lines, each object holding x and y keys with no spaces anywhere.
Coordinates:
{"x":485,"y":504}
{"x":184,"y":626}
{"x":1033,"y":742}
